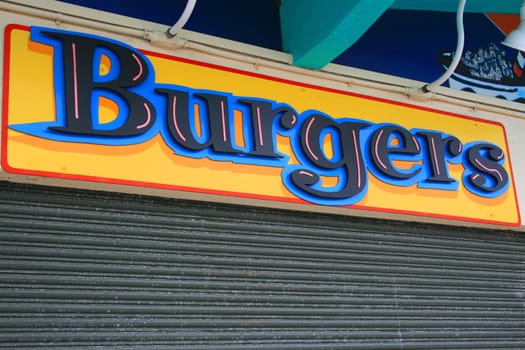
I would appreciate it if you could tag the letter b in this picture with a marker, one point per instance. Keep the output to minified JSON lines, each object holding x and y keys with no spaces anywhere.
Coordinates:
{"x":82,"y":84}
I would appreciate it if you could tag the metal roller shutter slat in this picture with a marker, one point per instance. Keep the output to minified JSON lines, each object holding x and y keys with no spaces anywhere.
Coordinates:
{"x":80,"y":270}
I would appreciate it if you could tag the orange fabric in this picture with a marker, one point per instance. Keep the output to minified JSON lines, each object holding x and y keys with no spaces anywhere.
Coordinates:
{"x":506,"y":22}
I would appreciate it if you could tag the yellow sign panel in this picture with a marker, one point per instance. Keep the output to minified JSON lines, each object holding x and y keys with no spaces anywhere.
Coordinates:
{"x":84,"y":107}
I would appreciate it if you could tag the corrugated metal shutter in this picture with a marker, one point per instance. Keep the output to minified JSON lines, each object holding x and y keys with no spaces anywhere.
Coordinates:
{"x":86,"y":270}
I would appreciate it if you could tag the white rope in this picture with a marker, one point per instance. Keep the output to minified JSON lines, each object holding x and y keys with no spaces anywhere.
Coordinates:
{"x":184,"y":17}
{"x":459,"y":50}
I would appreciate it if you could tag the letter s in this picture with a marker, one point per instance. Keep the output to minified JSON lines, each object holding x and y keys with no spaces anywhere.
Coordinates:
{"x":484,"y":174}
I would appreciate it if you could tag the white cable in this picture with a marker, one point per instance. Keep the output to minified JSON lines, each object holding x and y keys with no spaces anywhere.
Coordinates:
{"x":184,"y":17}
{"x":459,"y":50}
